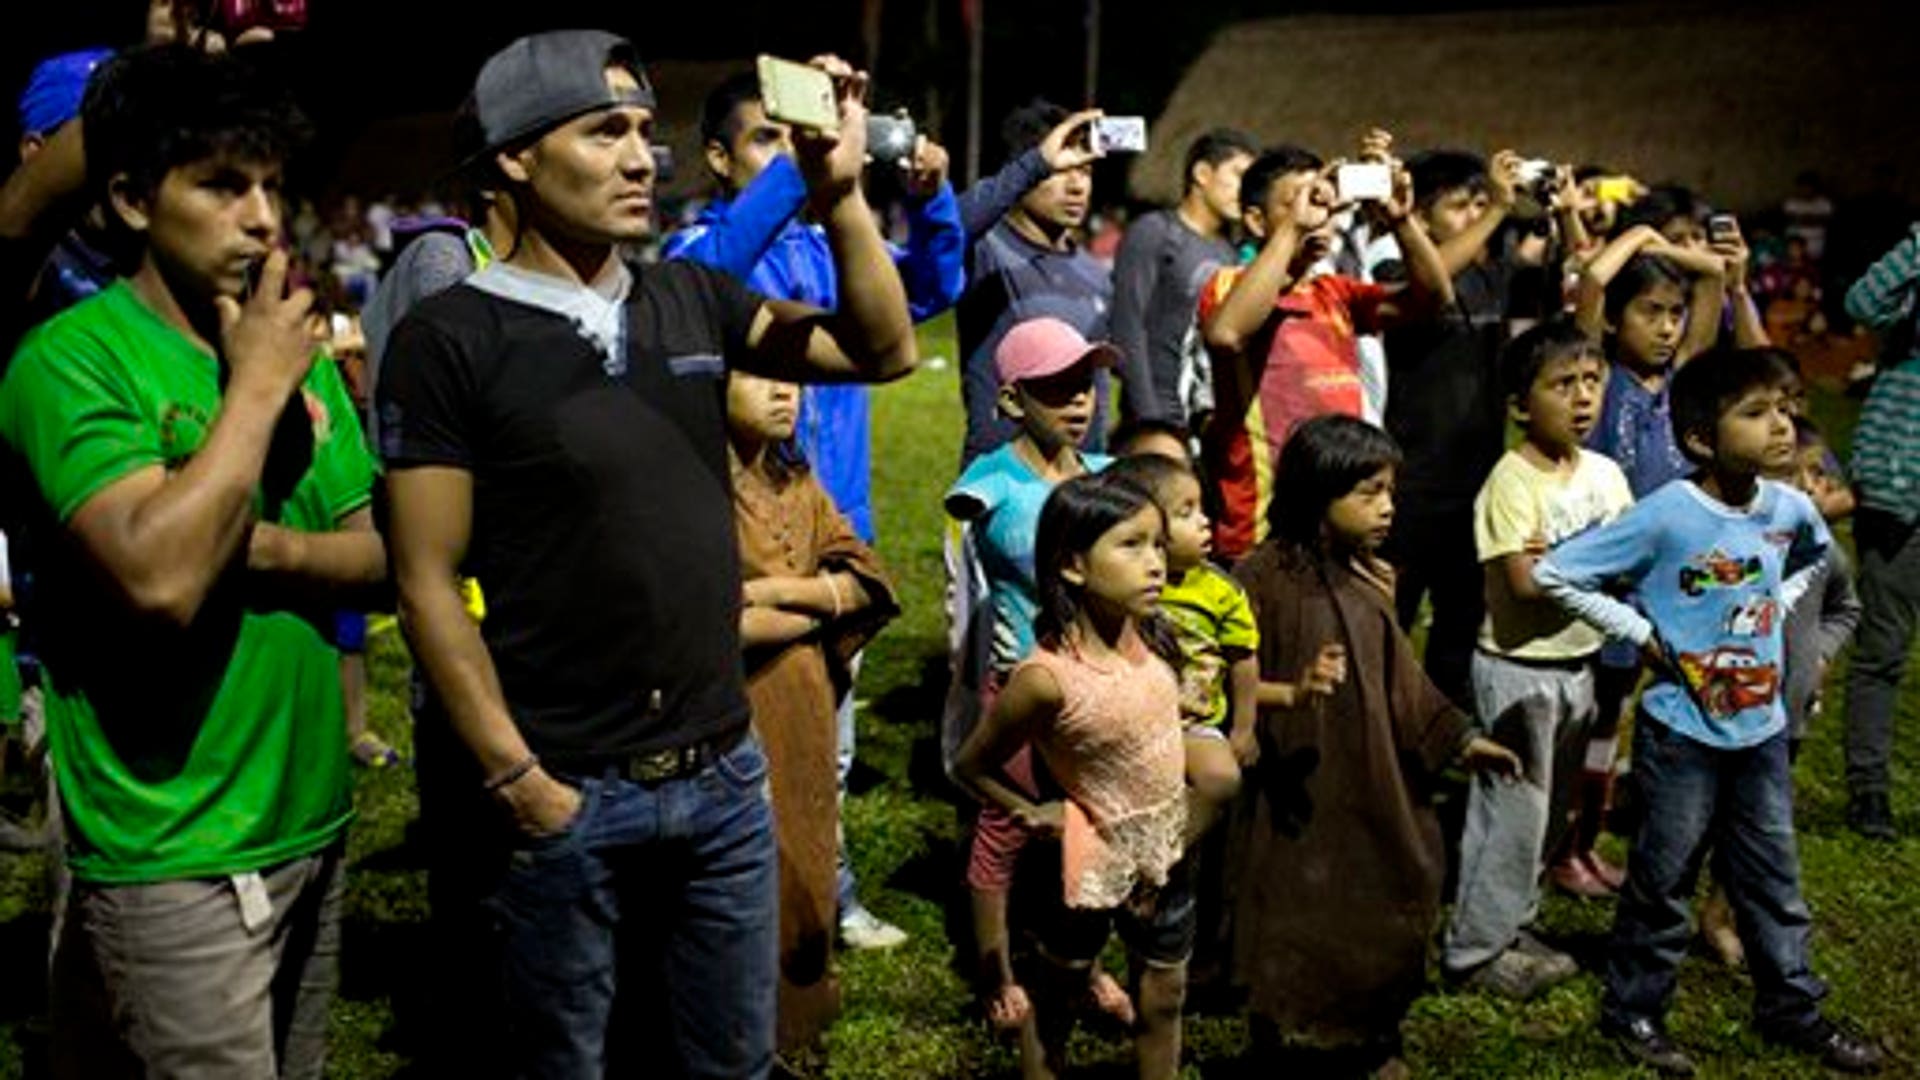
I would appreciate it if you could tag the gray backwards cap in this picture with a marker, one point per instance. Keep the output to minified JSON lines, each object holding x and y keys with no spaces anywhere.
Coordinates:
{"x":546,"y":79}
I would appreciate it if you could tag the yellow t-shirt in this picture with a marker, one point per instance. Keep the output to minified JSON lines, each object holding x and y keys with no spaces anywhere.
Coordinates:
{"x":1519,"y":501}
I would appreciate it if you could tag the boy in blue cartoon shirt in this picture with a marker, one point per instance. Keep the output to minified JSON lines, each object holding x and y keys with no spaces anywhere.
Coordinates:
{"x":1713,"y":563}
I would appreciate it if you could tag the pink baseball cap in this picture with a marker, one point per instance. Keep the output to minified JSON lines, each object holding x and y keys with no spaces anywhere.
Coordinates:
{"x":1037,"y":348}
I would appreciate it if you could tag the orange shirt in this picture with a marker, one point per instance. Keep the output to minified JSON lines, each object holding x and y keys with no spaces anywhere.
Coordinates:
{"x":1311,"y":369}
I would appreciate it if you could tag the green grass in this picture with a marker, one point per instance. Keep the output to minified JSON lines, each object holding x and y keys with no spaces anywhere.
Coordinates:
{"x":907,"y":1012}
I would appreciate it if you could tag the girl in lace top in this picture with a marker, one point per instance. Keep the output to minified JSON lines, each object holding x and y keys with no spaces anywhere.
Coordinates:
{"x":1100,"y":702}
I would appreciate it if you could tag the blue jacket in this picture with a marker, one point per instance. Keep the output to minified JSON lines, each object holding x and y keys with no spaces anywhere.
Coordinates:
{"x":759,"y":237}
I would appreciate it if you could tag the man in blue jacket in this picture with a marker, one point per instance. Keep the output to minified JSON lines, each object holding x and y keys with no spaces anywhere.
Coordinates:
{"x":757,"y":229}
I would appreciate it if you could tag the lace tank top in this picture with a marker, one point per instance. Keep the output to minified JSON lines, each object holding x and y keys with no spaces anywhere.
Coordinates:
{"x":1116,"y":749}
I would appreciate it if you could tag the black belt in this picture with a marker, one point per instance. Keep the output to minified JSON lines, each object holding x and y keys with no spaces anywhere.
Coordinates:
{"x":657,"y":766}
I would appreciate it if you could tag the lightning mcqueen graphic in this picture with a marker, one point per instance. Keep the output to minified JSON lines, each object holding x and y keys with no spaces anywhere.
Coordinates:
{"x":1729,"y":679}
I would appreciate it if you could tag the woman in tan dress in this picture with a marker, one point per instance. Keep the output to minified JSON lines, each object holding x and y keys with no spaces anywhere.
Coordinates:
{"x":814,"y":594}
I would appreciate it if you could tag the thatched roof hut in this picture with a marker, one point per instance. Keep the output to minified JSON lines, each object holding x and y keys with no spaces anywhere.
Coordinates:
{"x":1733,"y":100}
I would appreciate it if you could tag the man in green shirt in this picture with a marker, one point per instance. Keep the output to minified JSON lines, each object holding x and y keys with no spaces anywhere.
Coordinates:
{"x":202,"y":508}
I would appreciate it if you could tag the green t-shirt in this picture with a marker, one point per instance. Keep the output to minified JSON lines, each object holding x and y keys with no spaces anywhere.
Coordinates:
{"x":181,"y":753}
{"x":1213,"y":621}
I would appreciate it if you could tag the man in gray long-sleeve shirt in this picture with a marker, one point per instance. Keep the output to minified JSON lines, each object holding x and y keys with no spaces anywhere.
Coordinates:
{"x":1024,"y":260}
{"x":1163,"y":264}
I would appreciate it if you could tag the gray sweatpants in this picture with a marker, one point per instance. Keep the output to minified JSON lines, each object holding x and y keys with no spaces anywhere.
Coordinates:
{"x":1533,"y":709}
{"x":200,"y":979}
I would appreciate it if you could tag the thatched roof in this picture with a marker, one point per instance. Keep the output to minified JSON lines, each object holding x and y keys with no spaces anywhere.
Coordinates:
{"x":1733,"y":101}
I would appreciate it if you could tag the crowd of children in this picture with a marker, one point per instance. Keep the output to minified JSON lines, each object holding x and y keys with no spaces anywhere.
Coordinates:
{"x":1653,"y":550}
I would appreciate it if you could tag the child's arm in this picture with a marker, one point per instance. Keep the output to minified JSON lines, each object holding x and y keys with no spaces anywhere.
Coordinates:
{"x":1327,"y":670}
{"x":761,"y":627}
{"x":1573,"y":575}
{"x":1708,"y":298}
{"x":1032,"y":697}
{"x":1839,"y":611}
{"x":1244,"y":699}
{"x":823,"y":596}
{"x":1880,"y":298}
{"x":1749,"y":331}
{"x":1590,"y":307}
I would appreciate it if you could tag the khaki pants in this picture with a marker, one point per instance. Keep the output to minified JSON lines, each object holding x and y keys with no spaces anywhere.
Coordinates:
{"x":203,"y":978}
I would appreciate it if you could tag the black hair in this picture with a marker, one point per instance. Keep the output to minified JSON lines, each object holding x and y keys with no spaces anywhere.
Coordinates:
{"x":1660,"y":205}
{"x":1214,"y":147}
{"x":1436,"y":172}
{"x":1642,"y":273}
{"x":1704,"y":388}
{"x":1272,"y":164}
{"x":1076,"y":515}
{"x":1584,"y":173}
{"x":716,"y":114}
{"x":1027,"y":126}
{"x":1324,"y":459}
{"x":153,"y":109}
{"x":1523,"y":357}
{"x":1140,"y":427}
{"x":1154,"y":473}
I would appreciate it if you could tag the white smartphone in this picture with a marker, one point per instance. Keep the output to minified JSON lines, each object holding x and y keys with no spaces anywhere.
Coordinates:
{"x":798,"y":94}
{"x":1119,"y":135}
{"x":1363,"y":182}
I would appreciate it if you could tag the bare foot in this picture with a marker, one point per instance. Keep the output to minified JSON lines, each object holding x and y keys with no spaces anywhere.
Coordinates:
{"x":1008,"y":1008}
{"x":1109,"y":998}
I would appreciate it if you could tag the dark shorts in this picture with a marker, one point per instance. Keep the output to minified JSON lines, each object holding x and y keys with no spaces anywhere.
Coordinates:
{"x":1162,"y":934}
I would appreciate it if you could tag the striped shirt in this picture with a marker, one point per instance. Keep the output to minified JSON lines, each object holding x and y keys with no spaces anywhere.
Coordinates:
{"x":1886,"y":443}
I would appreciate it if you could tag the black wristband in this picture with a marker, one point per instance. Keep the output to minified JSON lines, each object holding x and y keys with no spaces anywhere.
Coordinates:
{"x":514,"y":772}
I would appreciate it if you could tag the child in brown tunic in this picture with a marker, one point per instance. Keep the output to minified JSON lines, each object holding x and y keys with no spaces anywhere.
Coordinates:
{"x":814,"y":594}
{"x":1340,"y":862}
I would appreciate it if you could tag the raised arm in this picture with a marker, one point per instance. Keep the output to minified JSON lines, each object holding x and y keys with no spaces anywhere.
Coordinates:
{"x":933,"y":268}
{"x":736,"y":243}
{"x":1749,"y":331}
{"x":1503,"y":180}
{"x":1590,"y":311}
{"x":1706,"y":301}
{"x":1429,"y":285}
{"x":989,"y":199}
{"x":166,"y":536}
{"x":870,"y":338}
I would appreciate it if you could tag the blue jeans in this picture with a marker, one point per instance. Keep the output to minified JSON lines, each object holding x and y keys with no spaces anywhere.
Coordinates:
{"x":684,"y":873}
{"x":1739,"y":803}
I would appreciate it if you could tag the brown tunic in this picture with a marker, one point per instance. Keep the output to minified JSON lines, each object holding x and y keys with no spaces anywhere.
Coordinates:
{"x":1339,"y":862}
{"x":789,"y":529}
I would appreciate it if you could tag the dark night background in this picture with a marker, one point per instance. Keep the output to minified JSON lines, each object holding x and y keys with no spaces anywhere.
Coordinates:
{"x":363,"y":60}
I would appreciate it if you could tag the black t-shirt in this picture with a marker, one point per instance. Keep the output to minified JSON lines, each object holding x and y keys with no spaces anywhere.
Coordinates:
{"x":1444,"y":404}
{"x":603,"y":533}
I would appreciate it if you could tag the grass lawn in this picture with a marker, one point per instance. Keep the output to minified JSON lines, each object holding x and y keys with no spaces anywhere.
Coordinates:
{"x":908,"y":1013}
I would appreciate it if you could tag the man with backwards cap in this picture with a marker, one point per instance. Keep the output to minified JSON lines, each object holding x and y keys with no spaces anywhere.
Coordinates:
{"x":554,"y":426}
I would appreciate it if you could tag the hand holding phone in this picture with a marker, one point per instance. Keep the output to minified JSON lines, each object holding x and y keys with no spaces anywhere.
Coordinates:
{"x":798,"y":94}
{"x":1364,"y":182}
{"x":1118,"y":135}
